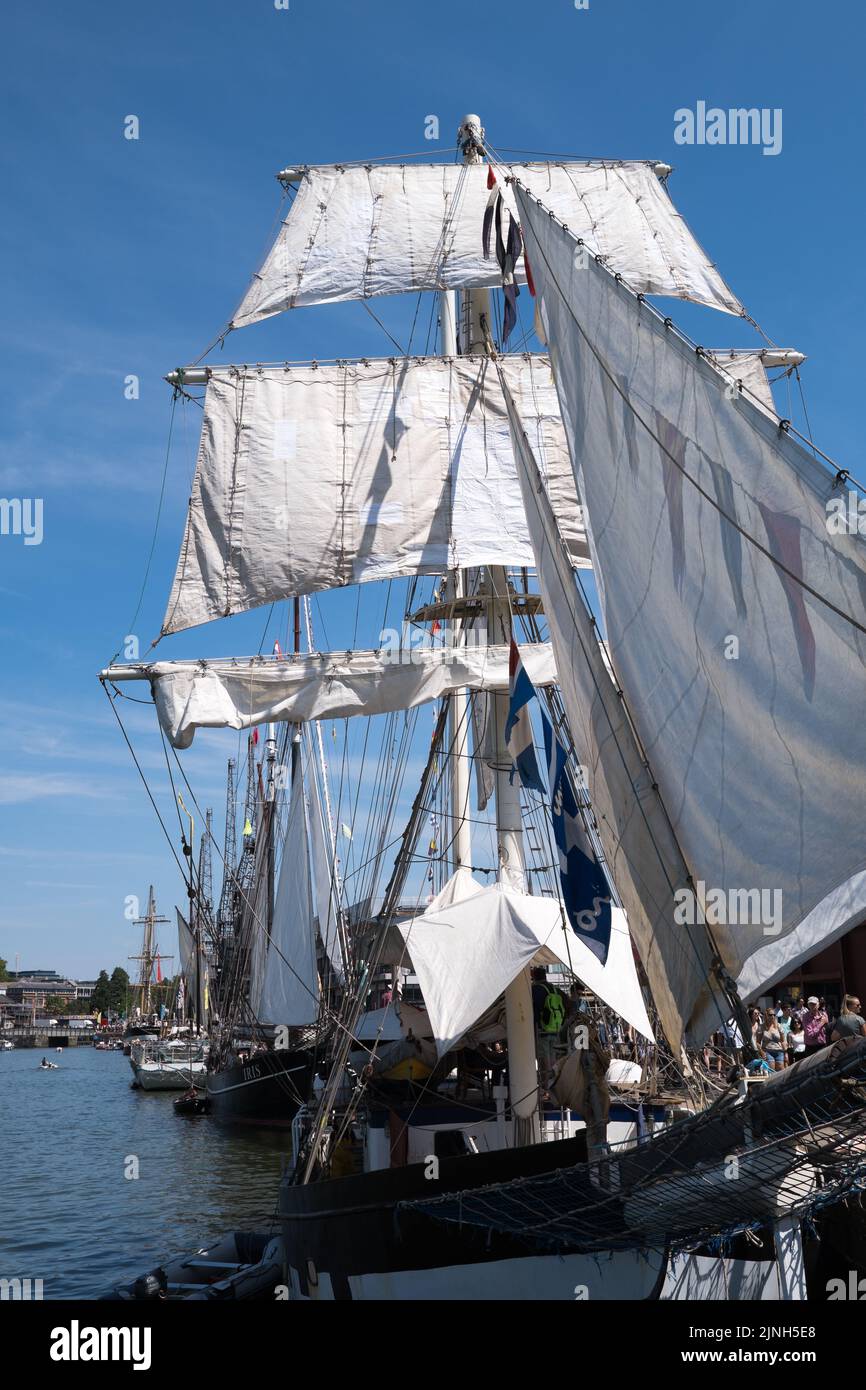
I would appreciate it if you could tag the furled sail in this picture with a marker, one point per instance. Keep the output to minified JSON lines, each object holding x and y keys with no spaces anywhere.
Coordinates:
{"x":289,"y":994}
{"x":322,"y":854}
{"x":642,"y":856}
{"x":734,"y":613}
{"x":314,"y":477}
{"x":356,"y":232}
{"x":467,"y":949}
{"x":235,"y":694}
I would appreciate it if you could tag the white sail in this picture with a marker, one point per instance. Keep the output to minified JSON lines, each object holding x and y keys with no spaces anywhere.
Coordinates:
{"x":467,"y":950}
{"x":236,"y":693}
{"x":642,"y":856}
{"x":352,"y":233}
{"x":314,"y":477}
{"x":749,"y":370}
{"x":734,"y":612}
{"x":289,"y":993}
{"x":186,"y":948}
{"x":322,"y":854}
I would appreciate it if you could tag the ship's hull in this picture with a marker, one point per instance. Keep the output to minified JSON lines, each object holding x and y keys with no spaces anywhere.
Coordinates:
{"x":169,"y":1076}
{"x":348,"y":1239}
{"x":267,"y":1090}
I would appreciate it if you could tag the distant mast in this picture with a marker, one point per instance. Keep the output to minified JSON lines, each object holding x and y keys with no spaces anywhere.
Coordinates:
{"x":148,"y":955}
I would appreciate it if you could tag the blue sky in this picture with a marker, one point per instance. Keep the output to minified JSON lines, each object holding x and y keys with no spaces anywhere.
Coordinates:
{"x":126,"y":257}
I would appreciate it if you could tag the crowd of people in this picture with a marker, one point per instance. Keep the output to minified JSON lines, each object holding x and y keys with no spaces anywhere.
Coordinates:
{"x":786,"y":1033}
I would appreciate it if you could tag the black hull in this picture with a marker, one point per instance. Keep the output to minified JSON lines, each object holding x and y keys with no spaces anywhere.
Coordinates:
{"x":394,"y":1233}
{"x":267,"y":1090}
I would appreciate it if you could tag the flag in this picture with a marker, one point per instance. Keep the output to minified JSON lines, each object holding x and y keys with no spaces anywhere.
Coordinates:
{"x":180,"y":996}
{"x":585,"y":889}
{"x":248,"y":828}
{"x":518,"y":726}
{"x":158,"y":972}
{"x":346,"y":831}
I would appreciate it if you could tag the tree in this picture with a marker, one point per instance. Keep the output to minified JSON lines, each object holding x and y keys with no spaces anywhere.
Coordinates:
{"x":4,"y":974}
{"x":118,"y":990}
{"x":101,"y":997}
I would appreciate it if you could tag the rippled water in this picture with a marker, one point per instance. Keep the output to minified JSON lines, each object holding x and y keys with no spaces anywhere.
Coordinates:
{"x":71,"y":1217}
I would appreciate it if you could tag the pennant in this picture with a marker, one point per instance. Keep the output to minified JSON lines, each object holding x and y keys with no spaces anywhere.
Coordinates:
{"x":518,"y":726}
{"x":248,"y":829}
{"x":507,"y":255}
{"x":585,"y":889}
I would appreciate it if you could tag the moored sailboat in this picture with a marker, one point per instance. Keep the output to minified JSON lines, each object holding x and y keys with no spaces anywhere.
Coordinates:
{"x":668,"y":769}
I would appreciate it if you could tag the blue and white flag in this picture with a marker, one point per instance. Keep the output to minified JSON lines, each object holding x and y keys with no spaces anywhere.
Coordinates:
{"x":585,"y":890}
{"x":518,"y":726}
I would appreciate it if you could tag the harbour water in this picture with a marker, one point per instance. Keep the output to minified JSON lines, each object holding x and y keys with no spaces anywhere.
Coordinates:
{"x":68,"y":1140}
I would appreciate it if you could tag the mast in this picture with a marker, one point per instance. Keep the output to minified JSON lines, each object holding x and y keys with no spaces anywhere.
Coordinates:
{"x":519,"y":1020}
{"x":458,"y":713}
{"x":148,"y":952}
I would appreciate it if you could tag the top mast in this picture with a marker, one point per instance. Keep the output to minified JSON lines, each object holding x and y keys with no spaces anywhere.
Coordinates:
{"x":475,"y":337}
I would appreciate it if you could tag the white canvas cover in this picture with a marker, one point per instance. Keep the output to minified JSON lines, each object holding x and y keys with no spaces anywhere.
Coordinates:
{"x":709,"y":523}
{"x":352,"y":233}
{"x":314,"y":477}
{"x":236,"y":693}
{"x":466,"y":951}
{"x":290,"y":988}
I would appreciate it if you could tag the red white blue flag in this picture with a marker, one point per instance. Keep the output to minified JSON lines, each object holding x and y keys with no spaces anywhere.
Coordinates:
{"x":518,"y":726}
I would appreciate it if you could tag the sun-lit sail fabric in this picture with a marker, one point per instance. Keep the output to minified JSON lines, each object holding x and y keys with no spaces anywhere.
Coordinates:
{"x":236,"y":693}
{"x":310,"y":478}
{"x":642,"y":856}
{"x":353,"y":233}
{"x":290,"y":987}
{"x":324,"y":873}
{"x":466,"y":952}
{"x":191,"y":970}
{"x":186,"y":947}
{"x":734,"y":613}
{"x":748,"y":369}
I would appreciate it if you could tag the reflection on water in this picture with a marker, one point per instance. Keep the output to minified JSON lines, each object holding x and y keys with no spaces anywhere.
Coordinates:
{"x":70,"y":1215}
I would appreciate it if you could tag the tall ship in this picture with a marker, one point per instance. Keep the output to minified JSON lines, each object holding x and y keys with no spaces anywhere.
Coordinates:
{"x":590,"y":787}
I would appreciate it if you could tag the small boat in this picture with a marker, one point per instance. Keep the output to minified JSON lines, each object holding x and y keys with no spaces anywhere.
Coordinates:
{"x":243,"y":1265}
{"x":58,"y":1049}
{"x":191,"y":1103}
{"x":47,"y":1066}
